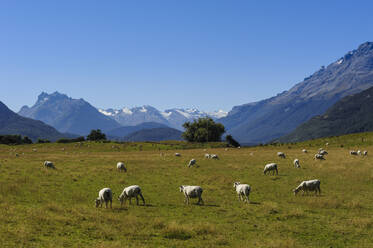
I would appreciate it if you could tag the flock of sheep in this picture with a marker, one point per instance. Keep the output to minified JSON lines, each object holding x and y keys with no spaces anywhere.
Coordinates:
{"x":105,"y":195}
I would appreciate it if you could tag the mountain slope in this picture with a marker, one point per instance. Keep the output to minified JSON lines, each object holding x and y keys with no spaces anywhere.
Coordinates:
{"x":154,"y":134}
{"x":124,"y":131}
{"x":351,"y":114}
{"x":277,"y":116}
{"x":11,"y":123}
{"x":174,"y":118}
{"x":67,"y":114}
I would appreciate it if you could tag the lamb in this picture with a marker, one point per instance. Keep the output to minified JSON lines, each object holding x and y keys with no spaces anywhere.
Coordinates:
{"x":121,"y":167}
{"x":296,"y":163}
{"x":49,"y":164}
{"x":319,"y":156}
{"x":242,"y":190}
{"x":304,"y":150}
{"x":311,"y":185}
{"x":192,"y":192}
{"x":214,"y":156}
{"x":104,"y":195}
{"x":270,"y":167}
{"x":177,"y":154}
{"x":129,"y":192}
{"x":281,"y":155}
{"x":192,"y":162}
{"x":365,"y":153}
{"x":353,"y":152}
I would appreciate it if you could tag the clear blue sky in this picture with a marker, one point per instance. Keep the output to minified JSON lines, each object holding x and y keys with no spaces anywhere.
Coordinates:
{"x":206,"y":54}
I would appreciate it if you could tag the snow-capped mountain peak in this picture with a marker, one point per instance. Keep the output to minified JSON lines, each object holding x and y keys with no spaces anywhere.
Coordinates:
{"x":175,"y":117}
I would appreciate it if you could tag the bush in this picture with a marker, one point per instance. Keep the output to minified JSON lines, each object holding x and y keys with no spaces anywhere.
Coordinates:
{"x":231,"y":141}
{"x":14,"y":140}
{"x":43,"y":141}
{"x":65,"y":140}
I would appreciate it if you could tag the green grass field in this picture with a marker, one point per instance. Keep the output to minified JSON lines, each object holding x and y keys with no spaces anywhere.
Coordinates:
{"x":55,"y":208}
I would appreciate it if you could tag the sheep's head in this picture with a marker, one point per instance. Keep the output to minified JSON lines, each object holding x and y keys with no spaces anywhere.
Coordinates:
{"x":235,"y":184}
{"x":97,"y":201}
{"x":296,"y":191}
{"x":181,"y":188}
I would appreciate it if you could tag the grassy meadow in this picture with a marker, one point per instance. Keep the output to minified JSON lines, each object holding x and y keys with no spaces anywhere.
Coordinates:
{"x":55,"y":208}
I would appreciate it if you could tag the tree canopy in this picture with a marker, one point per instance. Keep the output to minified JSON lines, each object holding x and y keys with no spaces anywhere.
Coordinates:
{"x":96,"y":135}
{"x":203,"y":130}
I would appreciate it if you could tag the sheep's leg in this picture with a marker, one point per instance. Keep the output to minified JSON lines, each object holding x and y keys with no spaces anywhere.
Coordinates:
{"x":130,"y":200}
{"x":142,"y":198}
{"x":106,"y":204}
{"x":137,"y":200}
{"x":276,"y":171}
{"x":200,"y":200}
{"x":239,"y":197}
{"x":247,"y":198}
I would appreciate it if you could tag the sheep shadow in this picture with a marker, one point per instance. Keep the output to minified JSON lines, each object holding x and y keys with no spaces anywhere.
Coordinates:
{"x":255,"y":203}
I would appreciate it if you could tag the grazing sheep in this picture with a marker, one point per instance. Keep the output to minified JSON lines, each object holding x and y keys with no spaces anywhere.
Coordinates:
{"x":34,"y":149}
{"x":296,"y":163}
{"x":323,"y":152}
{"x":270,"y":167}
{"x":104,"y":195}
{"x":177,"y":154}
{"x":242,"y":190}
{"x":281,"y":155}
{"x":358,"y":152}
{"x":327,"y":144}
{"x":353,"y":153}
{"x":192,"y":192}
{"x":192,"y":162}
{"x":214,"y":156}
{"x":49,"y":164}
{"x":365,"y":153}
{"x":207,"y":155}
{"x":121,"y":167}
{"x":304,"y":150}
{"x":319,"y":156}
{"x":129,"y":192}
{"x":306,"y":186}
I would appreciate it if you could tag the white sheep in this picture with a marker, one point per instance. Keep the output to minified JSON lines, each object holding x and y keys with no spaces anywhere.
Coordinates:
{"x":192,"y":192}
{"x":177,"y":154}
{"x":319,"y":156}
{"x":49,"y":164}
{"x":121,"y":167}
{"x":129,"y":192}
{"x":358,"y":152}
{"x":304,"y":150}
{"x":214,"y":156}
{"x":323,"y":152}
{"x":353,"y":153}
{"x":243,"y":190}
{"x":281,"y":155}
{"x":306,"y":186}
{"x":270,"y":167}
{"x":296,"y":163}
{"x":104,"y":195}
{"x":207,"y":155}
{"x":365,"y":153}
{"x":192,"y":162}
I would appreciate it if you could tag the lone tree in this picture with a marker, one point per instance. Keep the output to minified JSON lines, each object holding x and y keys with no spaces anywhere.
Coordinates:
{"x":203,"y":130}
{"x":96,"y":135}
{"x":231,"y":141}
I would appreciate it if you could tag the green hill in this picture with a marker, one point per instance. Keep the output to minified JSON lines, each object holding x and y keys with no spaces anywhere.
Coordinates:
{"x":352,"y":114}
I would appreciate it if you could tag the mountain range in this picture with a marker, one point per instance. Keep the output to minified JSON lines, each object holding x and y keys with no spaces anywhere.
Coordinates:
{"x":257,"y":122}
{"x":351,"y":114}
{"x":12,"y":123}
{"x":266,"y":120}
{"x":174,"y":118}
{"x":68,"y":115}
